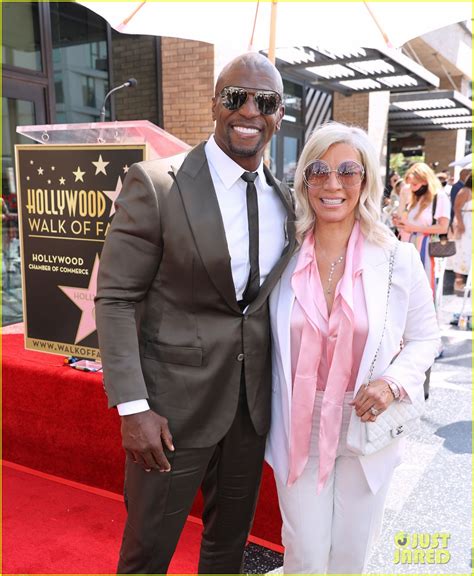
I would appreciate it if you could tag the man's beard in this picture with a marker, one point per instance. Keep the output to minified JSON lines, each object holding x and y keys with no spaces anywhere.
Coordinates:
{"x":247,"y":152}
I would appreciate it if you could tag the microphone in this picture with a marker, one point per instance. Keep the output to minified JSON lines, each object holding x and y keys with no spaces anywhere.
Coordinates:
{"x":130,"y":83}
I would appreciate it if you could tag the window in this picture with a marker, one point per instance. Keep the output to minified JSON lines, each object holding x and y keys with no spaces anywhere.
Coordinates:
{"x":80,"y":62}
{"x":88,"y":92}
{"x":293,"y":102}
{"x":21,"y":45}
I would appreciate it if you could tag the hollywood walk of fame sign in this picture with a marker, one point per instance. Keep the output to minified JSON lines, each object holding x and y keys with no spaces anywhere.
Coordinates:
{"x":66,"y":204}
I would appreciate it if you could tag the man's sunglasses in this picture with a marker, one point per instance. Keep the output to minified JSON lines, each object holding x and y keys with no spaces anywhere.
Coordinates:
{"x":349,"y":173}
{"x":234,"y":97}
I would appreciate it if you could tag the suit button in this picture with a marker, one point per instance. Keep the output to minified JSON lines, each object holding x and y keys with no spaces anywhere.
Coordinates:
{"x":240,"y":357}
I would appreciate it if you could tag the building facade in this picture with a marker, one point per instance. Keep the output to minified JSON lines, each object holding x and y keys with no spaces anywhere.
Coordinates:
{"x":60,"y":60}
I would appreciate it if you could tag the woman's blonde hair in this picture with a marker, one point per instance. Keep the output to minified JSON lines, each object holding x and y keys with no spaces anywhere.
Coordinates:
{"x":424,"y":173}
{"x":369,"y":207}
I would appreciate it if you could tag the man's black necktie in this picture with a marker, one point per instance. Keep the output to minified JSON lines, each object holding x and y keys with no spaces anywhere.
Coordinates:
{"x":253,"y":284}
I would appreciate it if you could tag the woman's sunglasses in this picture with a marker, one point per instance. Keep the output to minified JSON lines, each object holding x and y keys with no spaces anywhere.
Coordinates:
{"x":349,"y":173}
{"x":234,"y":97}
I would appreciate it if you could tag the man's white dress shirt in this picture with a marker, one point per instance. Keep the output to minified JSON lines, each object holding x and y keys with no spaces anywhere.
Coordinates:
{"x":232,"y":198}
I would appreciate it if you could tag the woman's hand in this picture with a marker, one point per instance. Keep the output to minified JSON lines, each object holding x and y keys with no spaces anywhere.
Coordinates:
{"x":372,"y":400}
{"x":396,"y":220}
{"x":408,"y":227}
{"x":459,"y":229}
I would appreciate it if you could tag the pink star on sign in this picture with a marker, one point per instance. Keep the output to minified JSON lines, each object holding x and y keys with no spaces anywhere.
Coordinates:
{"x":83,"y":298}
{"x":113,"y":194}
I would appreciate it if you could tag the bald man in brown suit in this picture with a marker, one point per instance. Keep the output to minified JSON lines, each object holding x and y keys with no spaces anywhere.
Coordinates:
{"x":184,"y":330}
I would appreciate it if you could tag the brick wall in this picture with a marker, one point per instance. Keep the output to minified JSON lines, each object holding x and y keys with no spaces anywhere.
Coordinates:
{"x":351,"y":109}
{"x":135,"y":57}
{"x":188,"y":86}
{"x":187,"y":69}
{"x":440,"y":146}
{"x":459,"y":81}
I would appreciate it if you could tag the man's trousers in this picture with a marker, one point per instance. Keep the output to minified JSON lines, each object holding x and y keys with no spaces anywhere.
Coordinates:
{"x":158,"y":503}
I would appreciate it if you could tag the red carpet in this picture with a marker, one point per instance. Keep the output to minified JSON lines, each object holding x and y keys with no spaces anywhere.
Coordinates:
{"x":55,"y":419}
{"x":53,"y":527}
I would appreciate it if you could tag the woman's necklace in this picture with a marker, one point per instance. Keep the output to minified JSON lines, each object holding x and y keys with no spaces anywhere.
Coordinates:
{"x":331,"y":272}
{"x":332,"y":269}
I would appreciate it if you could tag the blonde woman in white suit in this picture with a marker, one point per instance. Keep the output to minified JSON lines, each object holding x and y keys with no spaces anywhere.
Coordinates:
{"x":327,"y":316}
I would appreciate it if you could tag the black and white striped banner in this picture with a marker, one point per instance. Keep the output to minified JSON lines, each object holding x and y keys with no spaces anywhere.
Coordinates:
{"x":318,"y":109}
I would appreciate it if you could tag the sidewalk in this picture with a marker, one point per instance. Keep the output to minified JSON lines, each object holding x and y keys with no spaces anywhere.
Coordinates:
{"x":431,"y":489}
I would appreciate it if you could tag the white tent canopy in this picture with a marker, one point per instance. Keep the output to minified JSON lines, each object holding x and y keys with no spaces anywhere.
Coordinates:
{"x":333,"y":25}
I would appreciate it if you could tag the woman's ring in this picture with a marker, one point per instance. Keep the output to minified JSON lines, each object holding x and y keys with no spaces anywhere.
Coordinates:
{"x":374,"y":411}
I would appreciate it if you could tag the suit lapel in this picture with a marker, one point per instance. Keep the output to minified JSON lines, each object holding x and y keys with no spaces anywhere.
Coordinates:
{"x":200,"y":203}
{"x":202,"y":209}
{"x":375,"y":283}
{"x":281,"y":189}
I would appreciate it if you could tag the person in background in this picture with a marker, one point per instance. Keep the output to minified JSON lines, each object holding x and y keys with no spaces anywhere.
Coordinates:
{"x":462,"y":260}
{"x":397,"y":192}
{"x":443,"y":177}
{"x":194,"y":249}
{"x":404,"y":193}
{"x":327,"y":316}
{"x":393,"y":178}
{"x":428,"y":213}
{"x":392,"y":205}
{"x":457,"y":186}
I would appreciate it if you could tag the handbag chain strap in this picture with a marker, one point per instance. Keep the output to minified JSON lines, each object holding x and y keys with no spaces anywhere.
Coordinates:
{"x":389,"y":288}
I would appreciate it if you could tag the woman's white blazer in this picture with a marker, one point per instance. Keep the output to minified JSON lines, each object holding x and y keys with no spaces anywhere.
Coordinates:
{"x":411,"y":319}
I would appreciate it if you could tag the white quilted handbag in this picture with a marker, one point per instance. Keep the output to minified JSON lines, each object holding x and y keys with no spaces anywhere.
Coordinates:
{"x":401,"y":417}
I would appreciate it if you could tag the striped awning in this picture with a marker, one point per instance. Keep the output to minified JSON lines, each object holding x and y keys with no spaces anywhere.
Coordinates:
{"x":355,"y":71}
{"x":435,"y":110}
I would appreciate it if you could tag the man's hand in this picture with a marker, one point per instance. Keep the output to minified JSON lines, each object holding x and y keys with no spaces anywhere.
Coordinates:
{"x":143,"y":435}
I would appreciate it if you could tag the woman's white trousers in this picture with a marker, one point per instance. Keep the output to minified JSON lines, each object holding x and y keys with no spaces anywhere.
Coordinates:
{"x":333,"y":532}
